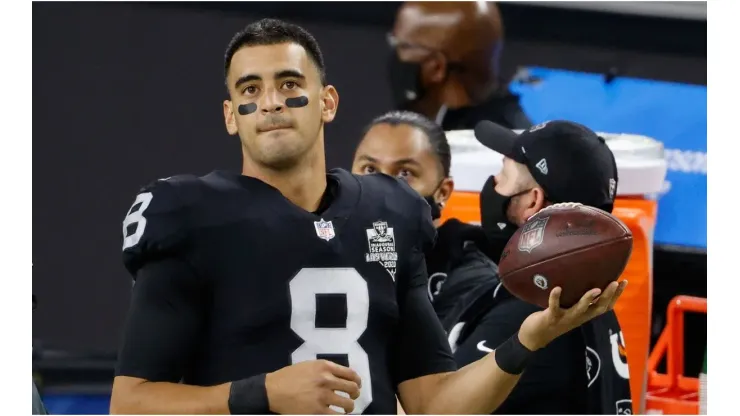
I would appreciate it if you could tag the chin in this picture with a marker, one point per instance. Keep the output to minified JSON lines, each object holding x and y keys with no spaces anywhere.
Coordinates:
{"x":282,"y":161}
{"x":281,"y":156}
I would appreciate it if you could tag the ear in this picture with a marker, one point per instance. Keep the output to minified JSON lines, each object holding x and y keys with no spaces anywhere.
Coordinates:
{"x":434,"y":69}
{"x":329,"y":103}
{"x":533,"y":202}
{"x":444,"y":192}
{"x":229,"y":118}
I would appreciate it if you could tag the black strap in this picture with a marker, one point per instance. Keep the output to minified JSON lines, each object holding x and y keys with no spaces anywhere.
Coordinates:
{"x":512,"y":357}
{"x":249,"y":396}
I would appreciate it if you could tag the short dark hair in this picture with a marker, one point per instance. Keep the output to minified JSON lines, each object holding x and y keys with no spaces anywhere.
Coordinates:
{"x":274,"y":32}
{"x":435,"y":133}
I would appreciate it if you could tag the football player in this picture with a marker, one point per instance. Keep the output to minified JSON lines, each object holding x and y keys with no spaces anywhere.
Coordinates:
{"x":291,"y":290}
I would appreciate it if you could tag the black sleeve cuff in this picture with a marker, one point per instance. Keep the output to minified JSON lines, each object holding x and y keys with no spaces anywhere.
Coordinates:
{"x":249,"y":396}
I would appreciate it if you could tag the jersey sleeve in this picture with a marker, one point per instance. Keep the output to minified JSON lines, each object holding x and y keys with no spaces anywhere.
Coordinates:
{"x":164,"y":323}
{"x":422,"y":348}
{"x":498,"y":325}
{"x":156,"y":225}
{"x":427,"y":230}
{"x":552,"y":383}
{"x":426,"y":236}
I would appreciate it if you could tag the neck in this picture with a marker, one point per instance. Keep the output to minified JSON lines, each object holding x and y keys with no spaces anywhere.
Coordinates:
{"x":485,"y":90}
{"x":427,"y":107}
{"x":453,"y":95}
{"x":303,"y":184}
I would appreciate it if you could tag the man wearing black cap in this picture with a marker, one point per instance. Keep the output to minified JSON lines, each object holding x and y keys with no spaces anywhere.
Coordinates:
{"x":552,"y":162}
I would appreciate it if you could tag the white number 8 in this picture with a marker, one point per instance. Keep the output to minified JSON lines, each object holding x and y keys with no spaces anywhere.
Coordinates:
{"x":347,"y":281}
{"x":136,"y":217}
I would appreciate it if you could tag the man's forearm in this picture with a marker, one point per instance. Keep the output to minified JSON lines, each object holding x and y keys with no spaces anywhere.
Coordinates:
{"x":169,"y":398}
{"x":477,"y":388}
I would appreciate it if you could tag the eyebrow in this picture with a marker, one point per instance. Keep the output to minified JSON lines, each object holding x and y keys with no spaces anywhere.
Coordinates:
{"x":406,"y":161}
{"x":367,"y":158}
{"x":285,"y":73}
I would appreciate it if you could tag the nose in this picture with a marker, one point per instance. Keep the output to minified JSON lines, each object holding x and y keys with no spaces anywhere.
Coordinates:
{"x":272,"y":102}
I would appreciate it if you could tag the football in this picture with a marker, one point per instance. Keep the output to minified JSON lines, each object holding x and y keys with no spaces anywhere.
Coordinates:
{"x":569,"y":245}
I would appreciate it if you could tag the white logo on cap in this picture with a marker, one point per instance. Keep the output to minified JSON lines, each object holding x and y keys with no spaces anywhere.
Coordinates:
{"x":538,"y":127}
{"x":542,"y":166}
{"x":612,"y":187}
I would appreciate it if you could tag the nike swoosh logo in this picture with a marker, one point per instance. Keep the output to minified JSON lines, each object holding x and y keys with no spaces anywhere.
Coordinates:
{"x":482,"y":347}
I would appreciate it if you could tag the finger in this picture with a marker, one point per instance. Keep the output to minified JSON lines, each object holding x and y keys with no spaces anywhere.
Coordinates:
{"x":553,"y":303}
{"x":615,"y":298}
{"x":333,"y":410}
{"x":350,"y":388}
{"x":339,"y":402}
{"x":345,"y":373}
{"x":603,"y":302}
{"x":585,"y":303}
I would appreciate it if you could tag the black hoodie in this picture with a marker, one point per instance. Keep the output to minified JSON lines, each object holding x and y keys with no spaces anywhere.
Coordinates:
{"x":579,"y":373}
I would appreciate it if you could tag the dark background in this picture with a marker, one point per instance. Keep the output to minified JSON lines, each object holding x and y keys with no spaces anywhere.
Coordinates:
{"x":127,"y":93}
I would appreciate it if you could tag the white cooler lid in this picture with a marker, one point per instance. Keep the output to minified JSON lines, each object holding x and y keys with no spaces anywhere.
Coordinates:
{"x":640,"y":162}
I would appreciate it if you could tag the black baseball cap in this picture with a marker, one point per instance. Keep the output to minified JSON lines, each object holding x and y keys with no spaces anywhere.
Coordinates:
{"x":568,"y":160}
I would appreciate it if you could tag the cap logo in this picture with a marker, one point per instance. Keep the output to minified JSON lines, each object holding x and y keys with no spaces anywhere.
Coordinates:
{"x":542,"y":166}
{"x":538,"y":127}
{"x":612,"y":187}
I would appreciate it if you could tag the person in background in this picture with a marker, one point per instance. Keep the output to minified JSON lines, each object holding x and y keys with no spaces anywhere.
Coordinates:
{"x":571,"y":375}
{"x":445,"y":65}
{"x":408,"y":145}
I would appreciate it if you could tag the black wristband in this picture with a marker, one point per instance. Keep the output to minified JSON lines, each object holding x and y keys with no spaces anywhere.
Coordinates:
{"x":249,"y":396}
{"x":512,"y":357}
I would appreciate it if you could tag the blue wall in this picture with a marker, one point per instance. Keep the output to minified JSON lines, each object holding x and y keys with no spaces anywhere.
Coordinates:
{"x":77,"y":404}
{"x":675,"y":114}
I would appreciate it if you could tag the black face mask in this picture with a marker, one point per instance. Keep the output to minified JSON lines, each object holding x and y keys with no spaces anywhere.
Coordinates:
{"x":494,"y":221}
{"x":405,"y":81}
{"x":436,"y":207}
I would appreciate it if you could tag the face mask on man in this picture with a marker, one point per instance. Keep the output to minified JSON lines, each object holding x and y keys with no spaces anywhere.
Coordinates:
{"x":405,"y":81}
{"x":493,"y":208}
{"x":436,"y":207}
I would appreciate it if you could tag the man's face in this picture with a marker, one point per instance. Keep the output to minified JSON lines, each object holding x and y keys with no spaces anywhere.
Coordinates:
{"x":416,"y":39}
{"x":276,"y":135}
{"x":402,"y":151}
{"x":528,"y":198}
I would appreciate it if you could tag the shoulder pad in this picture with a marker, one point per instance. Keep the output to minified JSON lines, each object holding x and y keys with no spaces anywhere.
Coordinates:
{"x":400,"y":197}
{"x":157,"y":223}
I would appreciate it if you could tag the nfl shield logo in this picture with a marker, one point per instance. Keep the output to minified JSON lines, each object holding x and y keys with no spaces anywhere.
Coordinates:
{"x":324,"y":229}
{"x":532,"y":234}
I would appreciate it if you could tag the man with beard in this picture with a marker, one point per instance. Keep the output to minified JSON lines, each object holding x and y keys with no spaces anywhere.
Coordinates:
{"x":445,"y":65}
{"x":475,"y":310}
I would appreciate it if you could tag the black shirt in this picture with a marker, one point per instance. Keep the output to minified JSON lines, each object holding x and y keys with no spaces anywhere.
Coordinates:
{"x":502,"y":108}
{"x":581,"y":372}
{"x":233,"y":280}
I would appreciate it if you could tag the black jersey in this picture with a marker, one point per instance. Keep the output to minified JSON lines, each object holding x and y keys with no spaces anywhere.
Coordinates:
{"x":254,"y":283}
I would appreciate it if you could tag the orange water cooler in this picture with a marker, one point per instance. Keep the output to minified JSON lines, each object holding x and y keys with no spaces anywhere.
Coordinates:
{"x":642,"y":171}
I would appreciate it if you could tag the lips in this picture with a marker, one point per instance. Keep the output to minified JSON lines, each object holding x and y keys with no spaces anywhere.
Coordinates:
{"x":275,"y":127}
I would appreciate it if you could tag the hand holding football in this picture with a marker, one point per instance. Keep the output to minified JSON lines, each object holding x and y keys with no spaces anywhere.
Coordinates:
{"x":573,"y":246}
